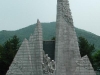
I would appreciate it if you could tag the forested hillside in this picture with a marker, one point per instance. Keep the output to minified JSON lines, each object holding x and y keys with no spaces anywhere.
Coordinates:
{"x":48,"y":33}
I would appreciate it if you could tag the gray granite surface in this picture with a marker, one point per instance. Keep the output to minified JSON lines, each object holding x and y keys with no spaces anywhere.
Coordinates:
{"x":66,"y":49}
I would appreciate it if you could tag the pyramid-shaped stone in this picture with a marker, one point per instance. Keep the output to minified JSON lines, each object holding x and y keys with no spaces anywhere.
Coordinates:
{"x":67,"y":49}
{"x":84,"y":67}
{"x":29,"y":58}
{"x":36,"y":49}
{"x":21,"y":64}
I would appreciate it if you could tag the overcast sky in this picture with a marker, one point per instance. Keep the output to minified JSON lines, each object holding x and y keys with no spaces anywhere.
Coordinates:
{"x":16,"y":14}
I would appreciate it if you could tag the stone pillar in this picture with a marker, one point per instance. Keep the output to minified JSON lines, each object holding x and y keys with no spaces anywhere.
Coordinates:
{"x":66,"y":49}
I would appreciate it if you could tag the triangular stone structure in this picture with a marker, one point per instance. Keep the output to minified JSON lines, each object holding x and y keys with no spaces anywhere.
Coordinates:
{"x":67,"y":49}
{"x":21,"y":64}
{"x":38,"y":49}
{"x":84,"y":67}
{"x":29,"y":58}
{"x":32,"y":60}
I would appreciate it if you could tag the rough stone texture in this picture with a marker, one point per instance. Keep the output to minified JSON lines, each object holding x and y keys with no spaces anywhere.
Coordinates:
{"x":21,"y":64}
{"x":66,"y":49}
{"x":32,"y":54}
{"x":84,"y":67}
{"x":29,"y":58}
{"x":48,"y":64}
{"x":36,"y":50}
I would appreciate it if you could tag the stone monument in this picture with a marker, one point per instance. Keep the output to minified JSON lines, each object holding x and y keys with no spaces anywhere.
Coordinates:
{"x":32,"y":60}
{"x":67,"y":50}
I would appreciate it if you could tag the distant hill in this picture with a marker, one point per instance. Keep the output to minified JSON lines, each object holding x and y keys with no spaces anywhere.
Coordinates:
{"x":48,"y":33}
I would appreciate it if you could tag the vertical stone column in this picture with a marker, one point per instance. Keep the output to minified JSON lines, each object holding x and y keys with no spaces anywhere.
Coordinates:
{"x":66,"y":49}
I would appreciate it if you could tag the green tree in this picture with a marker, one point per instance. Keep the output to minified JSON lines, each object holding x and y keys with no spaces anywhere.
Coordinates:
{"x":10,"y":48}
{"x":96,"y":59}
{"x":85,"y":47}
{"x":15,"y":43}
{"x":53,"y":38}
{"x":1,"y":49}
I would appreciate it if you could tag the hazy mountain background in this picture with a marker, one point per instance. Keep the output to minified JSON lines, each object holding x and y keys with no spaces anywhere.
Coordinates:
{"x":48,"y":33}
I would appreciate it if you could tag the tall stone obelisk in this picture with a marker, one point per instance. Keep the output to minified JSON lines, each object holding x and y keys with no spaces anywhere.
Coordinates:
{"x":66,"y":50}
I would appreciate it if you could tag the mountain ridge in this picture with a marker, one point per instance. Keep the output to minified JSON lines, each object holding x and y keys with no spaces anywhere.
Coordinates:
{"x":48,"y":33}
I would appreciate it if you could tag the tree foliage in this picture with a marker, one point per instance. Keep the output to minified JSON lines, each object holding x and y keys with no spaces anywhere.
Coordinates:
{"x":96,"y":59}
{"x":53,"y":38}
{"x":85,"y":47}
{"x":7,"y":53}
